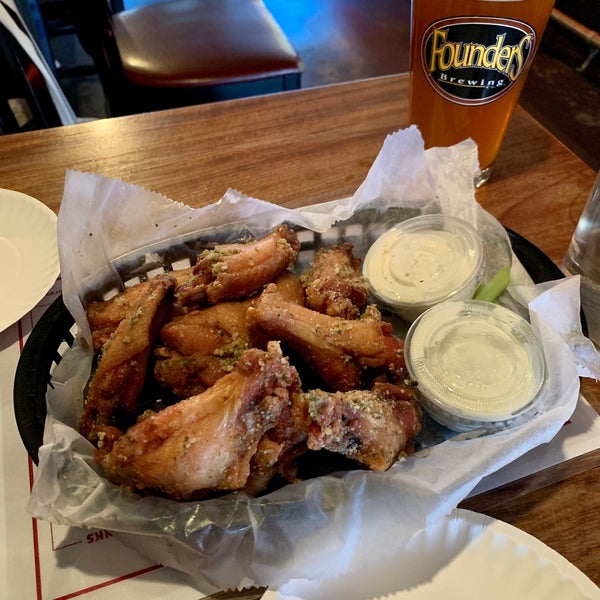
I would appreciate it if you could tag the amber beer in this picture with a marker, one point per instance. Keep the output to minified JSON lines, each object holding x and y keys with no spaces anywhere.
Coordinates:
{"x":469,"y":61}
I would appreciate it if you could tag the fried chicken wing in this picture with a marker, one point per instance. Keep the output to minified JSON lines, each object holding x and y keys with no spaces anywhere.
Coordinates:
{"x":233,"y":271}
{"x":371,"y":427}
{"x":114,"y":388}
{"x":198,"y":348}
{"x":207,"y":442}
{"x":345,"y":353}
{"x":104,"y":316}
{"x":334,"y":284}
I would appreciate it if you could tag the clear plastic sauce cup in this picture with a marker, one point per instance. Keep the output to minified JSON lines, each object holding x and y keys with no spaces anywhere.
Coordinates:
{"x":476,"y":364}
{"x":424,"y":261}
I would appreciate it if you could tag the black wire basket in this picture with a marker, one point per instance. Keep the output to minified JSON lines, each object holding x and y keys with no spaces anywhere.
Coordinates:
{"x":55,"y":332}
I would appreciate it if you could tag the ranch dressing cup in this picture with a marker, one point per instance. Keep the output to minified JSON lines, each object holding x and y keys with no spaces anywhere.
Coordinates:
{"x":424,"y":261}
{"x":477,"y":365}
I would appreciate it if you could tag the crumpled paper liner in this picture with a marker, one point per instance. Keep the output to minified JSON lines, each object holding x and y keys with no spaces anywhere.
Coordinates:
{"x":315,"y":528}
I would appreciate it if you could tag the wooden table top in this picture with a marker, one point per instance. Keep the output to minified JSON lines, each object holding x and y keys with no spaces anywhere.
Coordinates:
{"x":315,"y":145}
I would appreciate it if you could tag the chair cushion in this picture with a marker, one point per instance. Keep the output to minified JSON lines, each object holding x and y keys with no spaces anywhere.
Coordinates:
{"x":194,"y":43}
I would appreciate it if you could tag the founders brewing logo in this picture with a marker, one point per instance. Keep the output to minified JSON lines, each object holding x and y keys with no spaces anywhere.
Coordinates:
{"x":474,"y":60}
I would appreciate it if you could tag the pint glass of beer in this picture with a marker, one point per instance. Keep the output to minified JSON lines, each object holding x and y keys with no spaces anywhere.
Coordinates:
{"x":468,"y":63}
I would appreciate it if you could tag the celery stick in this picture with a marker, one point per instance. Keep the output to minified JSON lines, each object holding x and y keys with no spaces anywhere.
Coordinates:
{"x":493,"y":288}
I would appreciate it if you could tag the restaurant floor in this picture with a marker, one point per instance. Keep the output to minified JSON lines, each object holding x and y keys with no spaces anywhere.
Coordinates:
{"x":346,"y":40}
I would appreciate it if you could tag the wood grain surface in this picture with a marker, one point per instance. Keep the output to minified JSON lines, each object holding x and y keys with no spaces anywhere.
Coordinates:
{"x":314,"y":145}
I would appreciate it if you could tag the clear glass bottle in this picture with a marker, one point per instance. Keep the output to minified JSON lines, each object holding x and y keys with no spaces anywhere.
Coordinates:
{"x":583,"y":258}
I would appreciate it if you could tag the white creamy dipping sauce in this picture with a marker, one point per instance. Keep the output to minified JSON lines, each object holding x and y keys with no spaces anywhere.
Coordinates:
{"x":417,"y":266}
{"x":476,"y":364}
{"x":423,"y":261}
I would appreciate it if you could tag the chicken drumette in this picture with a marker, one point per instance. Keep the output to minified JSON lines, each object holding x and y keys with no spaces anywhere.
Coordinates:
{"x":333,"y":283}
{"x":238,"y":270}
{"x":209,"y":442}
{"x":373,"y":427}
{"x":347,"y":354}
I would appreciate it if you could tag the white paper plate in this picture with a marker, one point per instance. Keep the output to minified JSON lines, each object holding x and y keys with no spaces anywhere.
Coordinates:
{"x":29,"y":262}
{"x":465,"y":556}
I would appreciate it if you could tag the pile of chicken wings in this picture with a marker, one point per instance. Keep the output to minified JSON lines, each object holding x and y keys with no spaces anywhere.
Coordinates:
{"x":266,"y":367}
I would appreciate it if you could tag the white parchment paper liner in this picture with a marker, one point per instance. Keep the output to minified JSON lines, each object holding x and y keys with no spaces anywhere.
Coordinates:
{"x":318,"y":527}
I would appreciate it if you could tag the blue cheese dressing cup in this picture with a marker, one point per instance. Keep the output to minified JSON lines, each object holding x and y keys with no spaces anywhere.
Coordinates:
{"x":423,"y":261}
{"x":477,"y":365}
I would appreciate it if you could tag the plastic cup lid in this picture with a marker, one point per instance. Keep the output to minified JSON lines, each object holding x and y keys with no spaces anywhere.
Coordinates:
{"x":475,"y":360}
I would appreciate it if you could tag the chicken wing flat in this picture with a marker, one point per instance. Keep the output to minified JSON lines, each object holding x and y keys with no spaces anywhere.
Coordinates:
{"x":233,"y":271}
{"x":198,"y":348}
{"x":207,"y":442}
{"x":334,"y":284}
{"x":373,"y":427}
{"x":104,"y":316}
{"x":345,"y":353}
{"x":112,"y":395}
